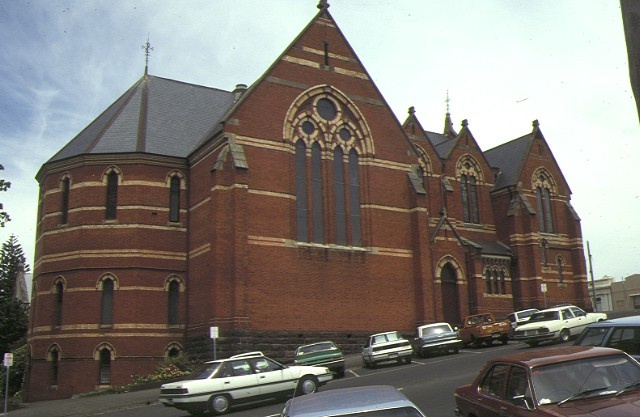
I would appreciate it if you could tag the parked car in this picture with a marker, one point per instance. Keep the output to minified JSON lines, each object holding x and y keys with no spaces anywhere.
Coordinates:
{"x":321,"y":354}
{"x":385,"y":347}
{"x":622,"y":333}
{"x":577,"y":381}
{"x":364,"y":401}
{"x":241,"y":379}
{"x":556,"y":324}
{"x":520,"y":317}
{"x":484,"y":328}
{"x":436,"y":337}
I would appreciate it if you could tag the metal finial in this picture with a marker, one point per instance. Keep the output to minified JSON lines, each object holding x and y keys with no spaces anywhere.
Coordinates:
{"x":448,"y":100}
{"x":147,"y":51}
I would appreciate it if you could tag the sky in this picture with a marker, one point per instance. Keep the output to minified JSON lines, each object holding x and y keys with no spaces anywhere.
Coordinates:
{"x":503,"y":64}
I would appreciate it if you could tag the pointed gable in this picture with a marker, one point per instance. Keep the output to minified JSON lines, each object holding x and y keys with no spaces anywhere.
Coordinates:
{"x":511,"y":158}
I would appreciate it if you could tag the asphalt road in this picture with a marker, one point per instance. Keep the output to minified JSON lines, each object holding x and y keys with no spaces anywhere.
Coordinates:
{"x":428,"y":382}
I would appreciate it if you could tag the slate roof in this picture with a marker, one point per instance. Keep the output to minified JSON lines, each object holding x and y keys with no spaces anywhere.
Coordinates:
{"x":509,"y":158}
{"x":491,"y":247}
{"x":156,"y":115}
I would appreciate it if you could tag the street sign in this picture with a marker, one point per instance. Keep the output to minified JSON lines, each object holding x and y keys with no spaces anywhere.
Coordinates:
{"x":213,"y":332}
{"x":8,"y":359}
{"x":543,"y":287}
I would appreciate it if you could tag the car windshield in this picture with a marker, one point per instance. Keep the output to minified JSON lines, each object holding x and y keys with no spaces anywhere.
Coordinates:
{"x":206,"y":371}
{"x":544,"y":316}
{"x":582,"y":378}
{"x":592,"y":336}
{"x":317,"y":347}
{"x":426,"y":331}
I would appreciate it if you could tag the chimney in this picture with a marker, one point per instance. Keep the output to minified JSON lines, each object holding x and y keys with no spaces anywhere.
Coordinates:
{"x":239,"y":91}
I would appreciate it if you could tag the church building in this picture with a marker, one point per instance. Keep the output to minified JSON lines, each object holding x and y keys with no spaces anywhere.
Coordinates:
{"x":295,"y":209}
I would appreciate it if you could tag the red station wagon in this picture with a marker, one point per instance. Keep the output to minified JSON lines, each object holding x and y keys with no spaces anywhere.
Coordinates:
{"x":577,"y":381}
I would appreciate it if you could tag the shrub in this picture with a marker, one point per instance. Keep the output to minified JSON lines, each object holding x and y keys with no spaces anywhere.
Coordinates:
{"x":173,"y":367}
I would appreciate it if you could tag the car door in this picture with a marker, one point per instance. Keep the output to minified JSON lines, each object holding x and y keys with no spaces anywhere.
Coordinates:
{"x":238,"y":379}
{"x":273,"y":378}
{"x":569,"y":321}
{"x":581,"y":320}
{"x":502,"y":392}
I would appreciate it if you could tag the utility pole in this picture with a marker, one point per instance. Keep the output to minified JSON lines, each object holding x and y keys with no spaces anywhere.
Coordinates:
{"x":593,"y":283}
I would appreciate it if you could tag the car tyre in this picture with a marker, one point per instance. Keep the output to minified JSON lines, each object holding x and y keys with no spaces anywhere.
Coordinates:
{"x":219,"y":404}
{"x":504,"y":340}
{"x":407,"y":360}
{"x":532,"y":344}
{"x":340,"y":372}
{"x":564,"y":336}
{"x":307,"y":385}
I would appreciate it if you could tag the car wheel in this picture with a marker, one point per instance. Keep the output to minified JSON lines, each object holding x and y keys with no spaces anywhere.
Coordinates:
{"x":504,"y":340}
{"x":407,"y":360}
{"x":456,"y":350}
{"x":307,"y":385}
{"x":532,"y":344}
{"x":489,"y":342}
{"x":219,"y":404}
{"x":475,"y":342}
{"x":340,"y":372}
{"x":564,"y":336}
{"x":365,"y":364}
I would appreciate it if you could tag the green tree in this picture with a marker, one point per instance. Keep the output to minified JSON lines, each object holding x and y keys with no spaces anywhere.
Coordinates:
{"x":14,"y":315}
{"x":4,"y":186}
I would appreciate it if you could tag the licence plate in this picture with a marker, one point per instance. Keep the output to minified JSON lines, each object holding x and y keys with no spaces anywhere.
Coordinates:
{"x":496,"y":335}
{"x":393,"y":355}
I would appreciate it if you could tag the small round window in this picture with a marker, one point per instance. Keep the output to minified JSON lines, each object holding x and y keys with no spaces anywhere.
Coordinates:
{"x":326,"y":109}
{"x":345,"y":135}
{"x":308,"y":127}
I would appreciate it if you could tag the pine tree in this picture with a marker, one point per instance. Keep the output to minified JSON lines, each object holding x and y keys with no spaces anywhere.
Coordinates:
{"x":13,"y":313}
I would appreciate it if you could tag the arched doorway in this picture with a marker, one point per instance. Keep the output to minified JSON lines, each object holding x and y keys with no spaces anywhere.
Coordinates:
{"x":449,"y":289}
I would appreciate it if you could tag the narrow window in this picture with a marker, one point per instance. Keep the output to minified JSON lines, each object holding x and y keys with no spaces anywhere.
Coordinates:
{"x":174,"y":199}
{"x":354,"y":199}
{"x":64,"y":209}
{"x":316,"y":192}
{"x":338,"y":177}
{"x":560,"y":264}
{"x":107,"y":302}
{"x":503,"y":284}
{"x":488,"y":282}
{"x":174,"y":293}
{"x":59,"y":289}
{"x":54,"y":356}
{"x":543,"y":200}
{"x":112,"y":195}
{"x":105,"y":367}
{"x":469,"y":193}
{"x":301,"y":193}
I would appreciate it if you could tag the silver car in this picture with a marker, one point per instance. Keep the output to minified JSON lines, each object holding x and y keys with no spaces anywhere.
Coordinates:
{"x":365,"y":401}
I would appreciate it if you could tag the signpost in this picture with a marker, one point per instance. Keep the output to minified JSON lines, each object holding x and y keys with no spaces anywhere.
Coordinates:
{"x":543,"y":289}
{"x":213,"y":334}
{"x":8,"y":362}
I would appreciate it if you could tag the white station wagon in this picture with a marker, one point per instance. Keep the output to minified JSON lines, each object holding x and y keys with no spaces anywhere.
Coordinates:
{"x":241,"y":379}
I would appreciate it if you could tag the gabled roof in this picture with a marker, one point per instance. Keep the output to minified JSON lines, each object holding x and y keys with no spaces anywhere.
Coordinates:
{"x":157,"y":116}
{"x":509,"y":158}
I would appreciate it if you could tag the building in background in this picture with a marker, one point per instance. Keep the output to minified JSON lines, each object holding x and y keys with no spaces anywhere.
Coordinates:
{"x":293,"y":209}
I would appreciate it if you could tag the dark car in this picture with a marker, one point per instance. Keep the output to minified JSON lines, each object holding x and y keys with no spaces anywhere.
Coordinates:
{"x":578,"y":381}
{"x":436,"y":338}
{"x":321,"y":354}
{"x":364,"y":401}
{"x":622,"y":333}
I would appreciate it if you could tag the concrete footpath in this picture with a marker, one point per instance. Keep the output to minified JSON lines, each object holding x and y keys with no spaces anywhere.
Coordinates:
{"x":94,"y":405}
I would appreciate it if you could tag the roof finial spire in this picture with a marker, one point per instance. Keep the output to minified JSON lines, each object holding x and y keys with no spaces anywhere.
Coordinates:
{"x":147,"y":51}
{"x":323,"y":5}
{"x":447,"y":100}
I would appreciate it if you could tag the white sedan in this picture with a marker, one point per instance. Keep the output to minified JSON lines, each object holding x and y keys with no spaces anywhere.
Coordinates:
{"x":555,"y":324}
{"x":241,"y":379}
